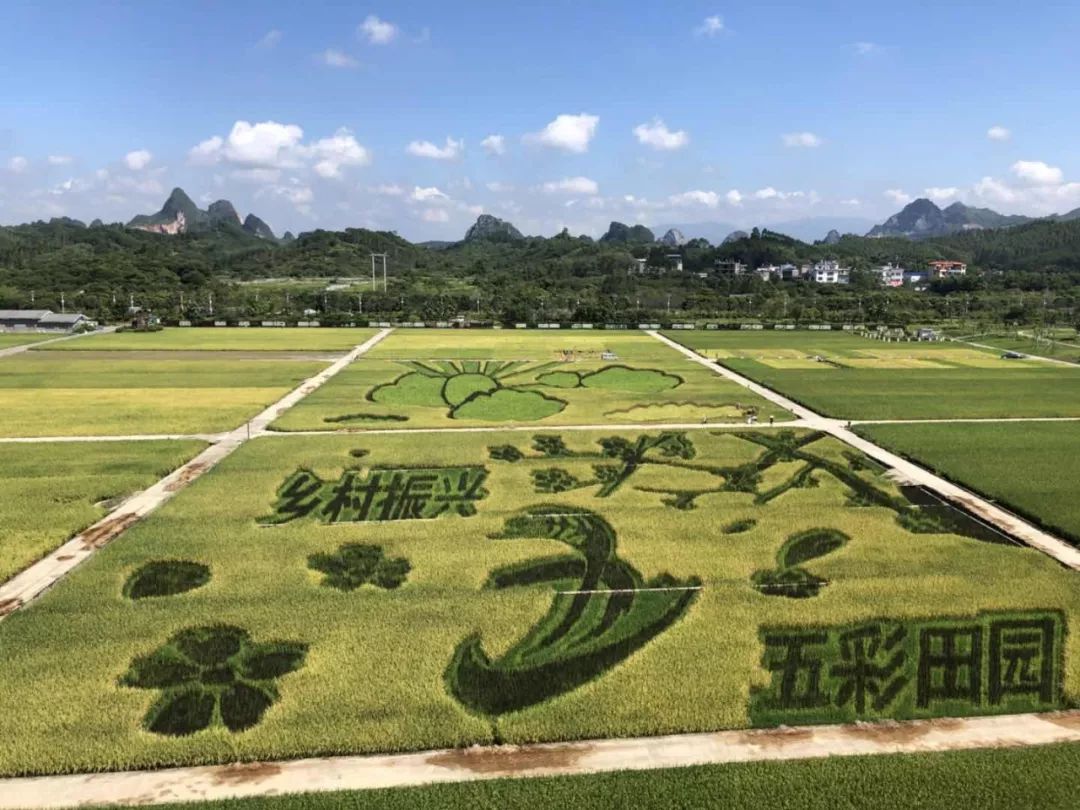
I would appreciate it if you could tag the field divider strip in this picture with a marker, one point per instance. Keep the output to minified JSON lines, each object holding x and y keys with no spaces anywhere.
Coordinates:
{"x":633,"y":590}
{"x":30,"y":583}
{"x":25,"y":347}
{"x":976,"y":505}
{"x":480,"y":763}
{"x":1043,"y":358}
{"x":136,"y":437}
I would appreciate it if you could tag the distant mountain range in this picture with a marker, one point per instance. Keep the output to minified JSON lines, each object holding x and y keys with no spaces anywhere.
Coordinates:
{"x":808,"y":229}
{"x":923,"y":219}
{"x":180,"y":214}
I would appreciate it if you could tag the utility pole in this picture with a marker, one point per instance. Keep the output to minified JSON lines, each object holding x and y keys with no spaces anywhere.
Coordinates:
{"x":383,"y":258}
{"x":360,"y":302}
{"x":63,"y":307}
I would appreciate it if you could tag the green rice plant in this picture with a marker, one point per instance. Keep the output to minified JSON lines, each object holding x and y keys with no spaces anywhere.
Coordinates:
{"x":383,"y":494}
{"x":993,"y":663}
{"x":611,"y":613}
{"x":789,"y":578}
{"x":740,"y":526}
{"x":356,"y":564}
{"x":166,"y":578}
{"x":209,"y":675}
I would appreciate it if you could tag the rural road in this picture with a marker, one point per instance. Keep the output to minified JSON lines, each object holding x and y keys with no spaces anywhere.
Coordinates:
{"x":911,"y":473}
{"x":46,"y":572}
{"x":557,"y":759}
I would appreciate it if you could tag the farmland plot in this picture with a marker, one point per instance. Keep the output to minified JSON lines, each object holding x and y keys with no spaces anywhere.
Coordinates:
{"x":454,"y":379}
{"x":52,"y":491}
{"x":221,"y":339}
{"x":374,"y":593}
{"x":1031,"y":468}
{"x":850,"y":377}
{"x":71,"y":394}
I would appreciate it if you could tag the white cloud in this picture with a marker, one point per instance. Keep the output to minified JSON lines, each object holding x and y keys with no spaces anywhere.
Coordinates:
{"x":494,"y":145}
{"x":998,"y":133}
{"x":498,"y":187}
{"x":426,"y":149}
{"x":435,"y":215}
{"x":994,"y":190}
{"x":571,"y":133}
{"x":941,"y":194}
{"x":334,"y":58}
{"x":851,"y":201}
{"x":572,"y":185}
{"x":388,"y":190}
{"x":341,"y":149}
{"x":898,"y":196}
{"x":710,"y":26}
{"x":18,"y":164}
{"x":60,"y":160}
{"x":866,"y":48}
{"x":770,"y":193}
{"x":259,"y":151}
{"x":710,"y":199}
{"x":658,"y":136}
{"x":206,"y":152}
{"x":270,"y":39}
{"x":267,"y":143}
{"x":299,"y":195}
{"x":138,"y":160}
{"x":802,"y":139}
{"x":1037,"y":173}
{"x":376,"y":31}
{"x":430,"y":194}
{"x":734,"y":197}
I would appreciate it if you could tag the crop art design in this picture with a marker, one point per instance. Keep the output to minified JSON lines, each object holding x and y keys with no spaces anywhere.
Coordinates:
{"x":602,"y":612}
{"x":382,"y":494}
{"x":994,"y":663}
{"x":471,"y":389}
{"x":209,"y":676}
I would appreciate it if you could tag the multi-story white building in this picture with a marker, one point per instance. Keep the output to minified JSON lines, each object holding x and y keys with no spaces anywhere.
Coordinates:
{"x":891,"y":275}
{"x":830,"y":272}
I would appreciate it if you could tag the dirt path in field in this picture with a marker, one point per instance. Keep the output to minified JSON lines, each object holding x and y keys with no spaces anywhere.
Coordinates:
{"x":25,"y":347}
{"x":907,"y":471}
{"x":42,"y":575}
{"x":557,"y":759}
{"x":1030,"y":356}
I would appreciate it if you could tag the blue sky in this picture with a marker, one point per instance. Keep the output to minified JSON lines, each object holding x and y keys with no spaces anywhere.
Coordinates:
{"x":342,"y":114}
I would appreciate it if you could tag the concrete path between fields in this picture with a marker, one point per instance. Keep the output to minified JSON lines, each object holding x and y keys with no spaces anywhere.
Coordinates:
{"x":209,"y":783}
{"x":25,"y":347}
{"x":42,"y":575}
{"x":1042,"y":357}
{"x":907,"y":471}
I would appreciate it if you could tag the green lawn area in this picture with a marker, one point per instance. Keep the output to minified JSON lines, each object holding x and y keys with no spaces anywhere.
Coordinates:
{"x":54,"y":490}
{"x":859,"y":378}
{"x":69,"y":394}
{"x":366,"y":593}
{"x":221,"y":339}
{"x":1032,"y":467}
{"x":1004,"y":779}
{"x":467,"y":379}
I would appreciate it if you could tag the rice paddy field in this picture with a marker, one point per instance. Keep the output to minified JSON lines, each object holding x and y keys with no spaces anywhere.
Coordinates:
{"x":121,"y":393}
{"x":989,"y":780}
{"x":1032,"y":468}
{"x":360,"y":593}
{"x":9,"y":339}
{"x":851,"y":377}
{"x":52,"y":491}
{"x":221,"y":339}
{"x":424,"y":379}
